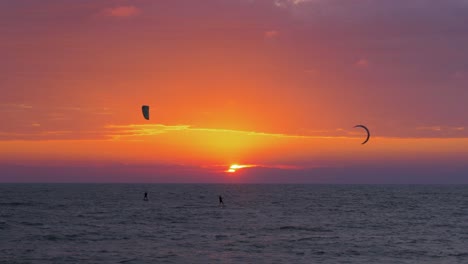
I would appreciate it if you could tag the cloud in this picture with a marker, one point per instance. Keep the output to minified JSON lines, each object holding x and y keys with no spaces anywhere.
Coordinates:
{"x":271,"y":34}
{"x":122,"y":11}
{"x":442,"y":131}
{"x":387,"y":19}
{"x":122,"y":131}
{"x":16,"y":106}
{"x":430,"y":128}
{"x":398,"y":173}
{"x":362,"y":63}
{"x":441,"y":128}
{"x":132,"y":130}
{"x":286,"y":3}
{"x":39,"y":132}
{"x":70,"y":108}
{"x":138,"y":131}
{"x":88,"y":110}
{"x":141,"y":132}
{"x":98,"y":171}
{"x":237,"y":167}
{"x":40,"y":135}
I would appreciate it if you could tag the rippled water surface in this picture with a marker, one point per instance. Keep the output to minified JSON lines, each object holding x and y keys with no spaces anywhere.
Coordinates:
{"x":110,"y":223}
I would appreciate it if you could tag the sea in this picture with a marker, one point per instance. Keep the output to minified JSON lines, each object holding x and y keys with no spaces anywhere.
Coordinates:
{"x":260,"y":223}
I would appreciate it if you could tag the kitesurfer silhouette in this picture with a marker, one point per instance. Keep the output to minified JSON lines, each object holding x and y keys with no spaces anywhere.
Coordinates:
{"x":221,"y":201}
{"x":146,"y":197}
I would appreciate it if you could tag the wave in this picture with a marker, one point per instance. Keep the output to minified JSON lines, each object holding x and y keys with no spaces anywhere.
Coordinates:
{"x":19,"y":204}
{"x":303,"y":228}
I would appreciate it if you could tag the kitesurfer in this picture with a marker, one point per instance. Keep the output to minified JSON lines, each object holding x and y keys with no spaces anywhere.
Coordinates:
{"x":221,"y":201}
{"x":146,"y":197}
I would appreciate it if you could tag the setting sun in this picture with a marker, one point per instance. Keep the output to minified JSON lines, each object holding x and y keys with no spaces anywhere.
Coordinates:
{"x":235,"y":167}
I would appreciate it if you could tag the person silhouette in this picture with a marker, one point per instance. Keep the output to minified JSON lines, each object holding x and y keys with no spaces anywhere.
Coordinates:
{"x":146,"y":197}
{"x":221,"y":201}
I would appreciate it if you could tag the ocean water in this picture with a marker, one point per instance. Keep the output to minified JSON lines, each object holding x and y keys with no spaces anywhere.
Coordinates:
{"x":110,"y":223}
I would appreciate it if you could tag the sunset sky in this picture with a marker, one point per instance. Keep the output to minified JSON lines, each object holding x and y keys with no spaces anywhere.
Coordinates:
{"x":274,"y":86}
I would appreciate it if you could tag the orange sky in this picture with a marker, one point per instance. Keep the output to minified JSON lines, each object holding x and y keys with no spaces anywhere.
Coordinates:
{"x":268,"y":83}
